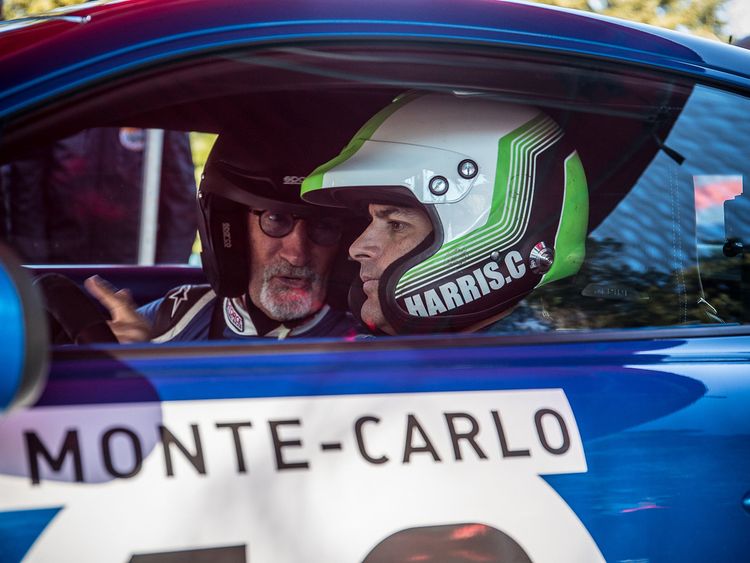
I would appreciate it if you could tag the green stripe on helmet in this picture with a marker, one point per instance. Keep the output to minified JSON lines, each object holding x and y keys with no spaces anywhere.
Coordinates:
{"x":570,"y":242}
{"x":516,"y":151}
{"x":314,"y":181}
{"x":503,"y":174}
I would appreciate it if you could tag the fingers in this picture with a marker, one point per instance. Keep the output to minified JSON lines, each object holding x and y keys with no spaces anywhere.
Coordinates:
{"x":119,"y":303}
{"x":126,"y":324}
{"x":101,"y":290}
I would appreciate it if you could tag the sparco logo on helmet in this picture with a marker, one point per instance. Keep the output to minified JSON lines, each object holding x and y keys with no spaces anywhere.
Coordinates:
{"x":227,"y":234}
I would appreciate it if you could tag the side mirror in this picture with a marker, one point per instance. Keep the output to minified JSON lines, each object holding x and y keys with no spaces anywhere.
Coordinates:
{"x":24,"y":354}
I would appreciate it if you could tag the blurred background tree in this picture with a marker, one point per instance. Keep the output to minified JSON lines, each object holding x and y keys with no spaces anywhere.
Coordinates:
{"x":701,"y":17}
{"x":19,"y":8}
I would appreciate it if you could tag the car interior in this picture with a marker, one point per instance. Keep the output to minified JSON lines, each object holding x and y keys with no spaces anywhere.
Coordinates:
{"x":648,"y":263}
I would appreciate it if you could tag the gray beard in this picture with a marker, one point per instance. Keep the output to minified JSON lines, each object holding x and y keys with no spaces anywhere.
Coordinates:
{"x":282,"y":303}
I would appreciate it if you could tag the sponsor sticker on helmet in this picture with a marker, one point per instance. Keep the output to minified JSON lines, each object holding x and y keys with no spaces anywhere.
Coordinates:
{"x":293,"y":180}
{"x":226,"y":233}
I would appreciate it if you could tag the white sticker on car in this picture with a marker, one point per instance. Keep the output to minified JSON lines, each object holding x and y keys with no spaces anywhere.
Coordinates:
{"x":315,"y":478}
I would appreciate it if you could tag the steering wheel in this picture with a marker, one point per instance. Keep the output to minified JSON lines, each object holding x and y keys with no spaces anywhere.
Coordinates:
{"x":75,"y":317}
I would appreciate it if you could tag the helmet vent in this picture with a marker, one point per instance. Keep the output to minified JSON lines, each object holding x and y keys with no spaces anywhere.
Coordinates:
{"x":467,"y":169}
{"x":438,"y":185}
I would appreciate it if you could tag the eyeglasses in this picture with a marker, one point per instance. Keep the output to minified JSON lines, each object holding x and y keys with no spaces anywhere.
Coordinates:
{"x":324,"y":231}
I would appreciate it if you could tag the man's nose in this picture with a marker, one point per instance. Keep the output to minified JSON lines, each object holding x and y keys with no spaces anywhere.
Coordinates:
{"x":295,"y":247}
{"x":365,"y":247}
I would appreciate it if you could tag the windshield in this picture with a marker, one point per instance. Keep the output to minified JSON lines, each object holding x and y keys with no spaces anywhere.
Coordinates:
{"x":662,"y":159}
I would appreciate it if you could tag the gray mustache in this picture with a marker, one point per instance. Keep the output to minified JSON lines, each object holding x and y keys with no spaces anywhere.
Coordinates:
{"x":286,"y":269}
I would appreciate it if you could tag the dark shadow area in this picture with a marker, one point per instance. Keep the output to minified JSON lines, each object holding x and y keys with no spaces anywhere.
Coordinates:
{"x":453,"y":543}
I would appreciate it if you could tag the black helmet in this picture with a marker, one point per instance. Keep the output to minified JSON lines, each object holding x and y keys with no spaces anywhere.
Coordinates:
{"x":240,"y":175}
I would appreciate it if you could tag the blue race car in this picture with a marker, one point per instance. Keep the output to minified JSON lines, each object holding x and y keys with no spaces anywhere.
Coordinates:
{"x":558,"y":369}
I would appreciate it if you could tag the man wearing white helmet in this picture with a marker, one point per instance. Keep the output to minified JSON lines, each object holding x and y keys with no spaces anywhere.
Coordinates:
{"x":473,"y":203}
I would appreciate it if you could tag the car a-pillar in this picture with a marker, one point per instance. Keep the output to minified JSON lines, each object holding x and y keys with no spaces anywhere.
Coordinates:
{"x":24,"y":354}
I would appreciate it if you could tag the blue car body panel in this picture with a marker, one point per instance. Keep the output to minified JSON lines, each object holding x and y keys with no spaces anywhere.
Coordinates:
{"x":630,"y":398}
{"x":662,"y":414}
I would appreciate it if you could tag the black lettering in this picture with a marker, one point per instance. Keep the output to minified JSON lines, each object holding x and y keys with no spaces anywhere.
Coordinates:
{"x":107,"y":453}
{"x":468,"y":436}
{"x":70,"y":445}
{"x":361,"y":440}
{"x":278,"y":443}
{"x":542,"y":436}
{"x":229,"y":554}
{"x":412,"y":424}
{"x":507,"y":452}
{"x":235,"y":427}
{"x":331,"y":446}
{"x":195,"y":459}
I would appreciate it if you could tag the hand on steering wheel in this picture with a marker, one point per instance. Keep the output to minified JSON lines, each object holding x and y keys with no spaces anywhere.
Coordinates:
{"x":74,"y":315}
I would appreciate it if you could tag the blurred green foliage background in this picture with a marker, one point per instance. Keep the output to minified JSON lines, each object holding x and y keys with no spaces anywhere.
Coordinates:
{"x":701,"y":17}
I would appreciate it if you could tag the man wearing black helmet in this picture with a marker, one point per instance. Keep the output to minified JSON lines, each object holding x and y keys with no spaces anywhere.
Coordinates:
{"x":268,"y":256}
{"x":473,"y":203}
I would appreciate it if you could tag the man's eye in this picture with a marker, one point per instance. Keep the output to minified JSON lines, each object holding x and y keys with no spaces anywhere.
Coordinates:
{"x":396,"y":226}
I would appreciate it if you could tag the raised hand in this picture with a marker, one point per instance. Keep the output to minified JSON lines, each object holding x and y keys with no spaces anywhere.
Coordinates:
{"x":126,"y":324}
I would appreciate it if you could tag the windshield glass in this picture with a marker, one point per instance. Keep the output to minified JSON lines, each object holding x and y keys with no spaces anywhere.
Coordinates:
{"x":661,"y":159}
{"x":670,"y":251}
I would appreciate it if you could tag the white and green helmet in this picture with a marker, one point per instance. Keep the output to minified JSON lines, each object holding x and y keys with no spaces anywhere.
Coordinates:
{"x":505,"y":191}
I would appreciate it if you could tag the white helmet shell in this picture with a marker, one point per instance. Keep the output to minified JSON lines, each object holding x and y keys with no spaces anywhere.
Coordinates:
{"x":506,"y":193}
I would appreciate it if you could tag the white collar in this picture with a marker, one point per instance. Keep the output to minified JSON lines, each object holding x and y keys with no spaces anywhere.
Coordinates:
{"x":239,"y":322}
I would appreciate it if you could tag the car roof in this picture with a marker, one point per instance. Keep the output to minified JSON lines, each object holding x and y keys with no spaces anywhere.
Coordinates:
{"x":100,"y":39}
